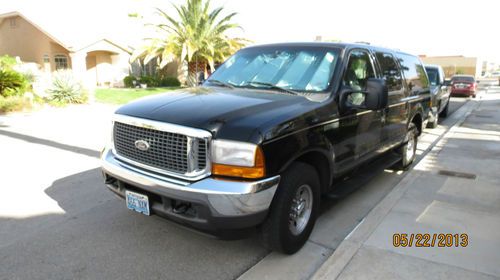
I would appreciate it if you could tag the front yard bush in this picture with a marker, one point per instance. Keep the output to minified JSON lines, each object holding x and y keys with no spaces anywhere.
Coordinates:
{"x":14,"y":103}
{"x":129,"y":81}
{"x":170,"y":82}
{"x":12,"y":83}
{"x":66,"y":89}
{"x":150,"y":81}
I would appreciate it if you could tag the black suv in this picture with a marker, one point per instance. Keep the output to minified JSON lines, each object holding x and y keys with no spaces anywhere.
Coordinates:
{"x":258,"y":143}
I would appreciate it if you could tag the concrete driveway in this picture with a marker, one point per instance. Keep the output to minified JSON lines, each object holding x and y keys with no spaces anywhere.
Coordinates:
{"x":57,"y":220}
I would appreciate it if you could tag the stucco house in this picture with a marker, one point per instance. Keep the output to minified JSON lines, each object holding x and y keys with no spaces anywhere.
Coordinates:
{"x":97,"y":62}
{"x":456,"y":64}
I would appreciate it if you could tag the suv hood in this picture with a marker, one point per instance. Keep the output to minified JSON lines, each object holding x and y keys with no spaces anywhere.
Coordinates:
{"x":236,"y":114}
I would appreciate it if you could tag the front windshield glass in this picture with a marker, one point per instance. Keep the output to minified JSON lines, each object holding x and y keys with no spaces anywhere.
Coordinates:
{"x":432,"y":73}
{"x":297,"y":69}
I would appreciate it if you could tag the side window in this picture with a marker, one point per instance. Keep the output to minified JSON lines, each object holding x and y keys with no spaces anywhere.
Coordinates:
{"x":414,"y":72}
{"x":390,"y":71}
{"x":359,"y":70}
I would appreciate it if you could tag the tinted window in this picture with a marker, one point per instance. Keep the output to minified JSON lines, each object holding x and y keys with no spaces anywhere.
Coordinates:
{"x":359,"y":70}
{"x":462,"y":79}
{"x":433,"y":75}
{"x":300,"y":69}
{"x":414,"y":72}
{"x":390,"y":71}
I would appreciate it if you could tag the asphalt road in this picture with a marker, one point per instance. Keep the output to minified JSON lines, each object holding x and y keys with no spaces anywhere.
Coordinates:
{"x":57,"y":220}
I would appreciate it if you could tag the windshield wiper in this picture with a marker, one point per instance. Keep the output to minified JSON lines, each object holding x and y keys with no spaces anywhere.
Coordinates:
{"x":273,"y":86}
{"x":220,"y":83}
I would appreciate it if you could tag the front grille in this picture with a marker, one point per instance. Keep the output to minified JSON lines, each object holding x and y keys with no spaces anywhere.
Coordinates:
{"x":167,"y":151}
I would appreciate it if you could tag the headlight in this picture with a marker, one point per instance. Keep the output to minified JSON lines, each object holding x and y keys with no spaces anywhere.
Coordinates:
{"x":237,"y":159}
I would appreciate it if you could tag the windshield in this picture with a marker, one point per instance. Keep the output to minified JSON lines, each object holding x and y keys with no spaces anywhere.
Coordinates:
{"x":432,"y":73}
{"x":290,"y":68}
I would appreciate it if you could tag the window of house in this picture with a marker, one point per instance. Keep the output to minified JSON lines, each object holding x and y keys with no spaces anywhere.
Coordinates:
{"x":13,"y":23}
{"x":61,"y":61}
{"x":46,"y":58}
{"x":390,"y":71}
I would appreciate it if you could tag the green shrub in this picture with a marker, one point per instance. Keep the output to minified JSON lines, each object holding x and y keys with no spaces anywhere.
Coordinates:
{"x":129,"y":81}
{"x":14,"y":103}
{"x":150,"y":81}
{"x":7,"y":62}
{"x":66,"y":89}
{"x":11,"y":83}
{"x":170,"y":82}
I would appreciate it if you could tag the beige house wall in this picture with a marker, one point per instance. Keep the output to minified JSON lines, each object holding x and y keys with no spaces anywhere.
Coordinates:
{"x":13,"y":42}
{"x":456,"y":64}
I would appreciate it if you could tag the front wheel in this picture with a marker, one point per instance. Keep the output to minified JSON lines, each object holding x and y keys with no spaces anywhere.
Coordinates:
{"x":408,"y":151}
{"x":444,"y":113}
{"x":434,"y":123}
{"x":293,"y":211}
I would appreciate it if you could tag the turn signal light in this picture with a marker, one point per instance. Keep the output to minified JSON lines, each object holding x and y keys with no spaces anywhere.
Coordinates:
{"x":254,"y":172}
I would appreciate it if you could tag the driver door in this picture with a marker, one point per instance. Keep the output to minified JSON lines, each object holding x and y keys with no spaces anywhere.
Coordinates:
{"x":363,"y":126}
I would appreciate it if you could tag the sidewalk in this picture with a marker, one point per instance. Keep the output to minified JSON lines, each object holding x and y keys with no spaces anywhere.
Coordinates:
{"x":455,"y":189}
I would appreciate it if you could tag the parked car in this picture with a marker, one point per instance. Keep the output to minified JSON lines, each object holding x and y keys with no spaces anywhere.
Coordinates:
{"x":440,"y":94}
{"x":496,"y":75}
{"x":463,"y":85}
{"x":265,"y":135}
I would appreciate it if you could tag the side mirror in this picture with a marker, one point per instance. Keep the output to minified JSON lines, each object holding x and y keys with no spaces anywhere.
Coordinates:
{"x":377,"y":94}
{"x":374,"y":97}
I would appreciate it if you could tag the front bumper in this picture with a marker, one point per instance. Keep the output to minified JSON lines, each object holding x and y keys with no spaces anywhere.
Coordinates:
{"x":213,"y":205}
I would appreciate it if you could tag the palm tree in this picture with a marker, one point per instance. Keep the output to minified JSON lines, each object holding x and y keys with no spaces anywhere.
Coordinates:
{"x":198,"y":37}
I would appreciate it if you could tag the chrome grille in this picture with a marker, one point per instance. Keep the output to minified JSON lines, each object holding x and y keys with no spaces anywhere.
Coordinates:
{"x":168,"y":151}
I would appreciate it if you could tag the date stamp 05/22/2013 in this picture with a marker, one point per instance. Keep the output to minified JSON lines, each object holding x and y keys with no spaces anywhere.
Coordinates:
{"x":443,"y":240}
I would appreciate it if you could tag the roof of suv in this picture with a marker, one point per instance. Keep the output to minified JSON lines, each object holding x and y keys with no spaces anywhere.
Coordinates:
{"x":327,"y":45}
{"x":432,"y":66}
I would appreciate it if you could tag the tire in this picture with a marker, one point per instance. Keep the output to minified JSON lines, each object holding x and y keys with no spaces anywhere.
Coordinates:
{"x":285,"y":230}
{"x":408,"y":150}
{"x":433,"y":124}
{"x":444,"y":113}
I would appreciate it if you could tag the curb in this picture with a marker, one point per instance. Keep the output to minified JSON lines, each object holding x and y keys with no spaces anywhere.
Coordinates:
{"x":346,"y":250}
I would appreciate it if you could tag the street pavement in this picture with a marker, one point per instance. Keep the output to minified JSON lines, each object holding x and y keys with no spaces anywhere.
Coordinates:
{"x":454,"y":189}
{"x":59,"y":221}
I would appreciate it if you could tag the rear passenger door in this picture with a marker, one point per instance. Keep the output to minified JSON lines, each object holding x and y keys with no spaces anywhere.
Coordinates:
{"x":396,"y":112}
{"x":416,"y":84}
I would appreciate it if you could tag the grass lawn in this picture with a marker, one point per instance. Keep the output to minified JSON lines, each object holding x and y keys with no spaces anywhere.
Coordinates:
{"x":124,"y":95}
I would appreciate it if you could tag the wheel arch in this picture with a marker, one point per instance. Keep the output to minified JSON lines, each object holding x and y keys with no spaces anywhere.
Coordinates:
{"x":320,"y":161}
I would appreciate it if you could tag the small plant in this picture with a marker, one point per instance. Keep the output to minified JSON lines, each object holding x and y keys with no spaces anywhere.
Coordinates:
{"x":14,"y":103}
{"x":129,"y":81}
{"x":11,"y":83}
{"x":170,"y":82}
{"x":7,"y":62}
{"x":66,"y":89}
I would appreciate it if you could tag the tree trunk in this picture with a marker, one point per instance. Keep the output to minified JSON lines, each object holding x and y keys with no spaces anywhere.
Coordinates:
{"x":194,"y":67}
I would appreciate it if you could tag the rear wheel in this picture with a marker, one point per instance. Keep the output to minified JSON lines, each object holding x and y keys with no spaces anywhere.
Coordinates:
{"x":408,"y":151}
{"x":293,"y":211}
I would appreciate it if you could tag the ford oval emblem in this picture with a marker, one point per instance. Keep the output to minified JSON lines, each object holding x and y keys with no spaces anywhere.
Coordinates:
{"x":141,"y":145}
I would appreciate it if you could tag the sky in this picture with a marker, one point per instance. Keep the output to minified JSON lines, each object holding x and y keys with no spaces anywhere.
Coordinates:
{"x":442,"y":27}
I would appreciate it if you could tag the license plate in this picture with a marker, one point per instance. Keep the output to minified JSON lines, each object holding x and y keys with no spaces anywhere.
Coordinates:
{"x":137,"y":202}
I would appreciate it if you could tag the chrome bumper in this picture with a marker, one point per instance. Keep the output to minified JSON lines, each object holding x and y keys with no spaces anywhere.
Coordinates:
{"x":225,"y":197}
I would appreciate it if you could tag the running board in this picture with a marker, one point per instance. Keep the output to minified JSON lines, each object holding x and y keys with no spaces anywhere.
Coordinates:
{"x":366,"y":172}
